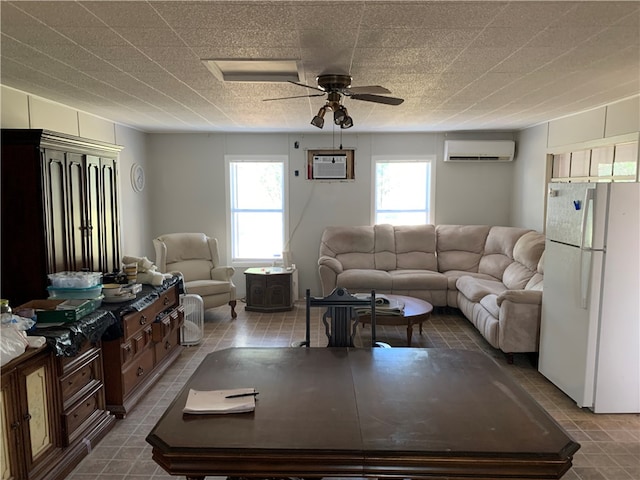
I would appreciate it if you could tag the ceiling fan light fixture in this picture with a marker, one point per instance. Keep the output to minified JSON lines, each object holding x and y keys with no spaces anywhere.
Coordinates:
{"x":341,"y":117}
{"x":318,"y":120}
{"x":347,"y":122}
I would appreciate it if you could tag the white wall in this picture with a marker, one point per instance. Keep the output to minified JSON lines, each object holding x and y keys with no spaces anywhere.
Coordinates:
{"x":529,"y":179}
{"x":187,"y":181}
{"x":21,"y":110}
{"x":604,"y":125}
{"x":185,"y":188}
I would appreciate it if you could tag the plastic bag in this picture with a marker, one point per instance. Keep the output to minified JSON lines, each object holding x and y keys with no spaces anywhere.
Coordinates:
{"x":21,"y":323}
{"x":13,"y":343}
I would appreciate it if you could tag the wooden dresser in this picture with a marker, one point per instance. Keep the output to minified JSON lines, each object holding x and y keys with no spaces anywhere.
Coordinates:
{"x":53,"y":412}
{"x":149,"y":344}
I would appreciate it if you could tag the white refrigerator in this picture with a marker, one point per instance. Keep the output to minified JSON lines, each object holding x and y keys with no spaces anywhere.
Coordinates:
{"x":590,"y":329}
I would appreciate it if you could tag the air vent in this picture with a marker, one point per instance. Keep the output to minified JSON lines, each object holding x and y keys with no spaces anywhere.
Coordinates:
{"x":479,"y":150}
{"x":329,"y":166}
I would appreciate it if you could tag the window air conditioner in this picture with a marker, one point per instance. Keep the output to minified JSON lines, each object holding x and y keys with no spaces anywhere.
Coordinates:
{"x":329,"y":166}
{"x":479,"y":150}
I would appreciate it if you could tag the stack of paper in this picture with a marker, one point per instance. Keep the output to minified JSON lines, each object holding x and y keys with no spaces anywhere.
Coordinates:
{"x":384,"y":305}
{"x":218,"y":401}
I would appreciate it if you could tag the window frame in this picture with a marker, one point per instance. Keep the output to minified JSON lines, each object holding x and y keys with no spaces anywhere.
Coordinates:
{"x":256,"y":158}
{"x":429,"y":159}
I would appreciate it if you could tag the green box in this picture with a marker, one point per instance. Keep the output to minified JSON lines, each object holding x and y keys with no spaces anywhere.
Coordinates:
{"x":47,"y":310}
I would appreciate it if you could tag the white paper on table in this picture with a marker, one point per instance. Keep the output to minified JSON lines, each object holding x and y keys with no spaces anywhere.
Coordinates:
{"x":215,"y":401}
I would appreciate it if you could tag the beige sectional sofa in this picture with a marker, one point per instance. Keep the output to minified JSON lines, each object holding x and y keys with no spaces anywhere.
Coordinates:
{"x":493,"y":274}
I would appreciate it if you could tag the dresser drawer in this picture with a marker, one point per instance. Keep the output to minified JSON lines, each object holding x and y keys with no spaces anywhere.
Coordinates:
{"x":85,"y":350}
{"x":136,"y":321}
{"x":137,"y":372}
{"x":161,"y":328}
{"x":82,"y":379}
{"x":142,"y":339}
{"x":167,"y":344}
{"x":127,"y":352}
{"x":171,"y":321}
{"x":82,"y":411}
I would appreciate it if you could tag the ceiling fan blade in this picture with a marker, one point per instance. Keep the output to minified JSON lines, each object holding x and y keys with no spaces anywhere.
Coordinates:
{"x":306,"y":86}
{"x":297,"y":96}
{"x":377,"y":99}
{"x":373,"y":89}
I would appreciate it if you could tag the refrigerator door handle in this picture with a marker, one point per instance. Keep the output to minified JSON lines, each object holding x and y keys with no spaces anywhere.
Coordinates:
{"x":585,"y":271}
{"x":586,"y":212}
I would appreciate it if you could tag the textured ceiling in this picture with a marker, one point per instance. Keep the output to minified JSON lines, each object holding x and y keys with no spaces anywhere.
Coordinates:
{"x":458,"y":65}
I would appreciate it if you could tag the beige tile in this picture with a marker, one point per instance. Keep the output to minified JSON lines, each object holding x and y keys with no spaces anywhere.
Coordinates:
{"x":610,"y":444}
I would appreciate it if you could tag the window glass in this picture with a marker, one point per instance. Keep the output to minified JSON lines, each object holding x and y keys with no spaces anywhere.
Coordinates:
{"x":402,"y":192}
{"x":257,"y":209}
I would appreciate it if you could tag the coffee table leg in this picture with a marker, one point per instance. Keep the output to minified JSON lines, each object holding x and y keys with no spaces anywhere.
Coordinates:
{"x":409,"y":334}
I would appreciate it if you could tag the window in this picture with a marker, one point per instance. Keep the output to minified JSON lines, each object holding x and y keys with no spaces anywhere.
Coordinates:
{"x":403,"y":191}
{"x":257,"y":202}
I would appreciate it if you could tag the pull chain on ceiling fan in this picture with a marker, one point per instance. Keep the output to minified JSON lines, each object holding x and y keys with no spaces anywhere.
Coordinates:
{"x":335,"y":87}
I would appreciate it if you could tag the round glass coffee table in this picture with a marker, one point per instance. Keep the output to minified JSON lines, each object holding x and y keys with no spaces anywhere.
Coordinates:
{"x":415,"y":312}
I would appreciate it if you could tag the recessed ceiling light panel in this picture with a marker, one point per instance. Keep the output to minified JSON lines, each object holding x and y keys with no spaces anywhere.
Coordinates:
{"x":252,"y":70}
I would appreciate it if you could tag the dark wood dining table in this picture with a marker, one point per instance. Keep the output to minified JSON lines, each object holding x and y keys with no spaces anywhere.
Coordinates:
{"x":354,"y":412}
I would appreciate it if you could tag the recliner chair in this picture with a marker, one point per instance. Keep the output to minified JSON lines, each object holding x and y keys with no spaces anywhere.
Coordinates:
{"x":195,"y":255}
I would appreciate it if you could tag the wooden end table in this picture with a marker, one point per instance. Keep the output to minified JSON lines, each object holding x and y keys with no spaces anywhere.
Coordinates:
{"x":270,"y":289}
{"x":415,"y":312}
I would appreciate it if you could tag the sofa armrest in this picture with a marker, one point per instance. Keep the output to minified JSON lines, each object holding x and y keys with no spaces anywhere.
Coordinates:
{"x":533,"y":297}
{"x":223,"y":274}
{"x":331,"y":262}
{"x":328,"y":268}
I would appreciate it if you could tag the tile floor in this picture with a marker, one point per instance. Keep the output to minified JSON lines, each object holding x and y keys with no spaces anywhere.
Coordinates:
{"x":610,"y":443}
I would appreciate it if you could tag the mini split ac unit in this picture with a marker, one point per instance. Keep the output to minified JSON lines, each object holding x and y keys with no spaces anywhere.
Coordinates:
{"x":479,"y":150}
{"x":329,"y":166}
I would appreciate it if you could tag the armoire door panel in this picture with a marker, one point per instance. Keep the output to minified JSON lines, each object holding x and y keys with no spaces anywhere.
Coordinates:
{"x":110,"y":215}
{"x":95,"y":227}
{"x":55,"y":205}
{"x":76,"y":206}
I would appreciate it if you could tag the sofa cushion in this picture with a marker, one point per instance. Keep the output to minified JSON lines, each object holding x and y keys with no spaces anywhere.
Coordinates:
{"x":526,"y":256}
{"x":417,"y":280}
{"x":498,"y":250}
{"x":339,"y":240}
{"x":204,"y":288}
{"x":454,"y":275}
{"x":460,"y":247}
{"x":187,"y":246}
{"x":192,"y":269}
{"x":416,"y":247}
{"x":535,"y":282}
{"x":477,"y":288}
{"x":356,"y":260}
{"x":364,"y":280}
{"x":489,"y":302}
{"x":385,"y":247}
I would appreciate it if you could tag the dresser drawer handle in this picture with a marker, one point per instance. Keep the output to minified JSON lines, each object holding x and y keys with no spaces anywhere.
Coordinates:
{"x":140,"y":371}
{"x":27,"y":417}
{"x":166,"y":300}
{"x":143,"y":320}
{"x":15,"y":425}
{"x":167,"y":345}
{"x":127,"y":348}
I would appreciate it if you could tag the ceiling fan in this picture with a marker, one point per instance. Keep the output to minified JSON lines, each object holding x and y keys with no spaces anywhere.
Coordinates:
{"x":337,"y":86}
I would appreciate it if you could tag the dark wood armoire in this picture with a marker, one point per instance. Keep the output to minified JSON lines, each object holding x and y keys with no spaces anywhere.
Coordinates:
{"x":60,"y":209}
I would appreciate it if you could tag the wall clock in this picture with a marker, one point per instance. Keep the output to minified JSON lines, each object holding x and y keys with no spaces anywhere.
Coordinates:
{"x":137,"y":177}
